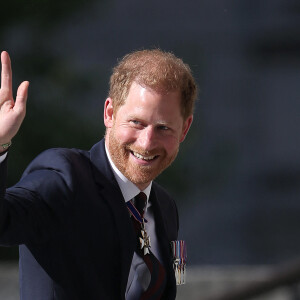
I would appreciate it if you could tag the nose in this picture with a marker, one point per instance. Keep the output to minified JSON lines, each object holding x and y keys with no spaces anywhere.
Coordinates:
{"x":147,"y":138}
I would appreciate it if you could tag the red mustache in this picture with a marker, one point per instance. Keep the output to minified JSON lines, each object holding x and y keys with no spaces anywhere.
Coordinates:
{"x":143,"y":152}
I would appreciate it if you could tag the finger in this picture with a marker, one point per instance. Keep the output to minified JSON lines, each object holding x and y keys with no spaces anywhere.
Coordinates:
{"x":21,"y":98}
{"x":6,"y":74}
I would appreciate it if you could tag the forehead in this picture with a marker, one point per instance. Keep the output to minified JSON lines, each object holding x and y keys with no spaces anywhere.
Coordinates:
{"x":148,"y":103}
{"x":142,"y":91}
{"x":144,"y":95}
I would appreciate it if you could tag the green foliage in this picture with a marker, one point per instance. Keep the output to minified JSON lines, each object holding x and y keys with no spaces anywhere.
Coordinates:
{"x":54,"y":116}
{"x":44,"y":128}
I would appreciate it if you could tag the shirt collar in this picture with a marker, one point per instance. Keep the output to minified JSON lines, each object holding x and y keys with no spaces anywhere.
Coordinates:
{"x":129,"y":190}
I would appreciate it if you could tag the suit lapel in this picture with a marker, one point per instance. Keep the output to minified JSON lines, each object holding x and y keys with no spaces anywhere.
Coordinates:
{"x":110,"y":191}
{"x":164,"y":243}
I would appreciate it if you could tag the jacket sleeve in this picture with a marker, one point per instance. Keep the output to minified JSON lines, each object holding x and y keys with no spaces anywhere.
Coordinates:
{"x":3,"y":171}
{"x":31,"y":211}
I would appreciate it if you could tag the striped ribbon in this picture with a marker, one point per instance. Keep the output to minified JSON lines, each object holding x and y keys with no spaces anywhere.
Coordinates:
{"x":135,"y":213}
{"x":179,"y":260}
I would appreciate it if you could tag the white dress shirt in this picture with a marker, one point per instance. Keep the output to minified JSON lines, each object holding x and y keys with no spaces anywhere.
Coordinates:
{"x":2,"y":157}
{"x":139,"y":275}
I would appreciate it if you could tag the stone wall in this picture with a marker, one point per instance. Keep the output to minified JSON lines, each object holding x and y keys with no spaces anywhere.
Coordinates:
{"x":203,"y":282}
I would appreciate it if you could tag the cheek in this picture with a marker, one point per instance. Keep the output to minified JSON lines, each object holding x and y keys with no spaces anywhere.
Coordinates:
{"x":125,"y":135}
{"x":170,"y":144}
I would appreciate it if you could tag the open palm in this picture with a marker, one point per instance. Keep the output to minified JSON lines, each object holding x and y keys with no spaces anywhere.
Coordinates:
{"x":12,"y":112}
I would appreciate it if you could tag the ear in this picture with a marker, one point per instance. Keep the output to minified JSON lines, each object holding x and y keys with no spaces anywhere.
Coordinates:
{"x":186,"y":126}
{"x":108,"y":113}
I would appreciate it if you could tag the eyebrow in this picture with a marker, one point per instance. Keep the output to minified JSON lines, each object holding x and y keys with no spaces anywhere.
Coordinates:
{"x":157,"y":123}
{"x":163,"y":123}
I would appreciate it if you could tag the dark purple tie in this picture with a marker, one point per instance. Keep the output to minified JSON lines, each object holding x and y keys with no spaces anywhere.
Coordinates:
{"x":157,"y":271}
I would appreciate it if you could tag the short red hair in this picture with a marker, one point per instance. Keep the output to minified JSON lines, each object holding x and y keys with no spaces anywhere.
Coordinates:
{"x":158,"y":70}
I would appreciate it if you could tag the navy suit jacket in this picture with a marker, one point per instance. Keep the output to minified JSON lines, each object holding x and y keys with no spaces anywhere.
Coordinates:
{"x":76,"y":238}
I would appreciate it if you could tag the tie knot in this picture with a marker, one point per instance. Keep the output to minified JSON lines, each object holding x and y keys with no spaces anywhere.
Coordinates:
{"x":140,"y":202}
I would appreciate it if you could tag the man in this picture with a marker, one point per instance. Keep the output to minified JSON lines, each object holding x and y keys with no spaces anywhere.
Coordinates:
{"x":78,"y":215}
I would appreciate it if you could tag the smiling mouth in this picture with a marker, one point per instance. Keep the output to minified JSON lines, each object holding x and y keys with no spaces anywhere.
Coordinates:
{"x":143,"y":157}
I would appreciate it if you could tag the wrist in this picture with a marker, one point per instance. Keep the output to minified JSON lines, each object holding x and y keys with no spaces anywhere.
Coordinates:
{"x":4,"y":147}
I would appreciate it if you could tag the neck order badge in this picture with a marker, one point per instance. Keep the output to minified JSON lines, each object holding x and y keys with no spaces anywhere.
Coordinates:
{"x":158,"y":280}
{"x":145,"y":240}
{"x":139,"y":216}
{"x":179,"y":260}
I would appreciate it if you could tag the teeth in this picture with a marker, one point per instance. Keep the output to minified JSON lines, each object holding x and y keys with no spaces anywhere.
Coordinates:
{"x":143,"y":157}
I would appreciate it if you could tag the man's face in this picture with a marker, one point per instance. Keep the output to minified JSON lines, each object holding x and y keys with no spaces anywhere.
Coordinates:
{"x":143,"y":136}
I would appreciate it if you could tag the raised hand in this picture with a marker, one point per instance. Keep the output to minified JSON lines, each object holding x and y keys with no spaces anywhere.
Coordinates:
{"x":12,"y":112}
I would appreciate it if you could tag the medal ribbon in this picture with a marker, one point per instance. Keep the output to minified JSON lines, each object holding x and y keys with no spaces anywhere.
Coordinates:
{"x":158,"y":278}
{"x":134,"y":212}
{"x":179,"y":255}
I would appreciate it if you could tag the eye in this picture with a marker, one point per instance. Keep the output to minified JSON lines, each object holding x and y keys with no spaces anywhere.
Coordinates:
{"x":135,"y":122}
{"x":162,"y":127}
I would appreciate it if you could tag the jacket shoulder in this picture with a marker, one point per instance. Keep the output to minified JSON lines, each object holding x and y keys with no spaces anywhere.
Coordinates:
{"x":59,"y":159}
{"x":57,"y":165}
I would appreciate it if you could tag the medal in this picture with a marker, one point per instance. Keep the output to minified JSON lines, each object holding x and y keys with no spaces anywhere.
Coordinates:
{"x":179,"y":260}
{"x":145,"y":242}
{"x":144,"y":239}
